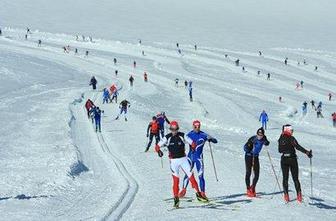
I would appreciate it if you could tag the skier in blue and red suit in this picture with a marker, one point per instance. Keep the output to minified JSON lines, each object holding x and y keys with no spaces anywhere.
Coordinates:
{"x":195,"y":156}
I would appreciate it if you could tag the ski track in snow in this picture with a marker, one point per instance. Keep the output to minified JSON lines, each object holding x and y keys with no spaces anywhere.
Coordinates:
{"x":226,"y":100}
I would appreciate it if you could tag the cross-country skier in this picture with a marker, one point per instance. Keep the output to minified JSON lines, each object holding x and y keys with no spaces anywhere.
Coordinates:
{"x":176,"y":82}
{"x":114,"y":61}
{"x":304,"y":108}
{"x":195,"y":156}
{"x":86,"y":53}
{"x":28,"y":31}
{"x":237,"y":62}
{"x":319,"y":112}
{"x":287,"y":146}
{"x":304,"y":62}
{"x":268,"y":76}
{"x":145,"y":76}
{"x":39,"y":43}
{"x":195,"y":46}
{"x":260,"y":53}
{"x":315,"y":68}
{"x":76,"y":51}
{"x":97,"y":117}
{"x":263,"y":119}
{"x":280,"y":99}
{"x":190,"y":89}
{"x":329,"y":96}
{"x":134,"y":64}
{"x":313,"y":104}
{"x":177,"y":45}
{"x":153,"y":131}
{"x":286,"y":61}
{"x":143,"y":53}
{"x":185,"y":83}
{"x":252,"y":149}
{"x":106,"y":96}
{"x":0,"y":32}
{"x":334,"y":119}
{"x":88,"y":105}
{"x":175,"y":142}
{"x":124,"y":105}
{"x":115,"y":96}
{"x":243,"y":69}
{"x":93,"y":82}
{"x":131,"y":80}
{"x":116,"y":72}
{"x":161,"y":119}
{"x":301,"y":83}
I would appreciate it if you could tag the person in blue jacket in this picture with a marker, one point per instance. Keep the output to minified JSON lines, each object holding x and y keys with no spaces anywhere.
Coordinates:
{"x":97,"y":117}
{"x":252,"y":149}
{"x":106,"y":96}
{"x":196,"y":139}
{"x":263,"y":119}
{"x":161,"y":119}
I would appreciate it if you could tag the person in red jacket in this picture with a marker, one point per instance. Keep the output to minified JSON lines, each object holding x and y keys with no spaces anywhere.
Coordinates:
{"x":88,"y":105}
{"x":153,"y":131}
{"x":175,"y":142}
{"x":334,"y":119}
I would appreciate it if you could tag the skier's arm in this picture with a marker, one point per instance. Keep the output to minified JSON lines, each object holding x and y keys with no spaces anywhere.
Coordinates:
{"x":300,"y":148}
{"x":211,"y":139}
{"x":260,"y":117}
{"x":168,"y":122}
{"x":249,"y":145}
{"x":266,"y":142}
{"x":149,"y":126}
{"x":162,"y":142}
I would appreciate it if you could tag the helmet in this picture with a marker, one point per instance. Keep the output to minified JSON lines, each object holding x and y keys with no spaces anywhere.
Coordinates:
{"x":174,"y":125}
{"x":154,"y":118}
{"x":261,"y":131}
{"x":287,"y":129}
{"x":196,"y":123}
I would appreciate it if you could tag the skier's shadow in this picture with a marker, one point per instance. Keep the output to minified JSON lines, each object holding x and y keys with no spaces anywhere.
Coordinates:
{"x":320,"y":203}
{"x":227,"y":200}
{"x":24,"y":197}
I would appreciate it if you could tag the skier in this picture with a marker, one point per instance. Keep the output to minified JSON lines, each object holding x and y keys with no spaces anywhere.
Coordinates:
{"x":260,"y":53}
{"x":313,"y":104}
{"x":237,"y":62}
{"x":114,"y":61}
{"x":76,"y":51}
{"x":297,"y":86}
{"x":93,"y":82}
{"x":287,"y":145}
{"x":301,"y":83}
{"x":334,"y":119}
{"x":115,"y":96}
{"x":39,"y":43}
{"x":177,"y":45}
{"x":134,"y":64}
{"x":252,"y":149}
{"x":258,"y":72}
{"x":140,"y":41}
{"x":315,"y":68}
{"x":195,"y":46}
{"x":190,"y":89}
{"x":106,"y":96}
{"x":116,"y":72}
{"x":179,"y":51}
{"x":319,"y":112}
{"x":86,"y":53}
{"x":280,"y":99}
{"x":304,"y":108}
{"x":97,"y":117}
{"x":263,"y":119}
{"x":143,"y":53}
{"x":123,"y":108}
{"x":153,"y":131}
{"x":90,"y":39}
{"x":175,"y":143}
{"x":195,"y":156}
{"x":131,"y":80}
{"x":145,"y":77}
{"x":28,"y":31}
{"x":26,"y":36}
{"x":185,"y":83}
{"x":161,"y":119}
{"x":88,"y":105}
{"x":329,"y":96}
{"x":286,"y":61}
{"x":304,"y":62}
{"x":319,"y":104}
{"x":268,"y":76}
{"x":176,"y":82}
{"x":243,"y":69}
{"x":226,"y":55}
{"x":0,"y":32}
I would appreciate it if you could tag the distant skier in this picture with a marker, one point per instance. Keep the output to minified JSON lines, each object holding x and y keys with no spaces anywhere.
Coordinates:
{"x":153,"y":131}
{"x":176,"y":82}
{"x":280,"y":99}
{"x":313,"y":104}
{"x":145,"y":77}
{"x":243,"y":69}
{"x":97,"y":117}
{"x":237,"y":62}
{"x":304,"y":108}
{"x":86,"y":53}
{"x":116,"y":72}
{"x":286,"y":61}
{"x":140,"y":41}
{"x":195,"y":46}
{"x":28,"y":31}
{"x":226,"y":55}
{"x":185,"y":83}
{"x":287,"y":145}
{"x":334,"y":119}
{"x":175,"y":142}
{"x":252,"y":149}
{"x":260,"y":54}
{"x":115,"y":96}
{"x":179,"y":51}
{"x":76,"y":51}
{"x":26,"y":36}
{"x":319,"y":104}
{"x":258,"y":72}
{"x":177,"y":45}
{"x":88,"y":105}
{"x":162,"y":119}
{"x":190,"y":89}
{"x":315,"y":68}
{"x":134,"y":64}
{"x":304,"y":62}
{"x":301,"y":84}
{"x":124,"y":105}
{"x":106,"y":96}
{"x":319,"y":112}
{"x":131,"y":80}
{"x":0,"y":32}
{"x":39,"y":43}
{"x":90,"y":39}
{"x":263,"y":119}
{"x":268,"y":76}
{"x":329,"y":96}
{"x":114,"y":61}
{"x":198,"y":139}
{"x":93,"y":82}
{"x":143,"y":53}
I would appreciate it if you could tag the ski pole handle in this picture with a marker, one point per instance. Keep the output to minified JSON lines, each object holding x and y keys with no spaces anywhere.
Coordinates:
{"x":213,"y":162}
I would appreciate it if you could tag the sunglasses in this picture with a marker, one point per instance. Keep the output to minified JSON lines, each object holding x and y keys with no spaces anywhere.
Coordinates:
{"x":260,"y":135}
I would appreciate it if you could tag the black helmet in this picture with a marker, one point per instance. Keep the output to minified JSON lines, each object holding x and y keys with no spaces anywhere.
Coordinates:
{"x":261,"y":131}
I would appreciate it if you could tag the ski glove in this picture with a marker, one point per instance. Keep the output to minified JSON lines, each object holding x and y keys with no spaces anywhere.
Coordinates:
{"x":160,"y":153}
{"x":266,"y":141}
{"x":213,"y":140}
{"x":147,"y":135}
{"x":310,"y":154}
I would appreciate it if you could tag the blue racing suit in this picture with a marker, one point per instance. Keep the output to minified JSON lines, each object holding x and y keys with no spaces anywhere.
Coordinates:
{"x":161,"y":119}
{"x":264,"y":119}
{"x":195,"y":155}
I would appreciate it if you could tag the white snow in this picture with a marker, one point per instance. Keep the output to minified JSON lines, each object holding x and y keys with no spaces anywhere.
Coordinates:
{"x":55,"y":167}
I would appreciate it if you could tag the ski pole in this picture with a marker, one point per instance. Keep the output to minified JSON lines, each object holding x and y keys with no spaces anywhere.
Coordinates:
{"x":213,"y":161}
{"x":161,"y":162}
{"x":276,"y":177}
{"x":311,"y":178}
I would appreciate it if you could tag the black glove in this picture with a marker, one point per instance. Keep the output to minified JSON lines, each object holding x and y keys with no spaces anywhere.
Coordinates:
{"x":160,"y":153}
{"x":310,"y":154}
{"x":147,"y":135}
{"x":266,"y":141}
{"x":213,"y":140}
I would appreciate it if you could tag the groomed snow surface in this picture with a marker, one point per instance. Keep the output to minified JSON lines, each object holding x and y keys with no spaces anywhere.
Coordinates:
{"x":56,"y":167}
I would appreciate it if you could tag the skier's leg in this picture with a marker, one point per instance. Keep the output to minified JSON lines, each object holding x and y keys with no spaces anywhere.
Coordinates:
{"x":157,"y":138}
{"x":248,"y":168}
{"x":186,"y":179}
{"x":187,"y":170}
{"x":200,"y":171}
{"x":295,"y":174}
{"x":285,"y":174}
{"x":174,"y":167}
{"x":256,"y":169}
{"x":150,"y":141}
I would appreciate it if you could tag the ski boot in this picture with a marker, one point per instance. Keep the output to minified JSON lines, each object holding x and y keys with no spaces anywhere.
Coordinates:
{"x":299,"y":197}
{"x":204,"y":196}
{"x":147,"y":149}
{"x":125,"y":119}
{"x":286,"y":197}
{"x":183,"y":192}
{"x":117,"y":118}
{"x":253,"y":191}
{"x":200,"y":197}
{"x":176,"y":202}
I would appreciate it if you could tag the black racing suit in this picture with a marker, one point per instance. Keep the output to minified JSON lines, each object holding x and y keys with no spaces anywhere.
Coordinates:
{"x":287,"y":146}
